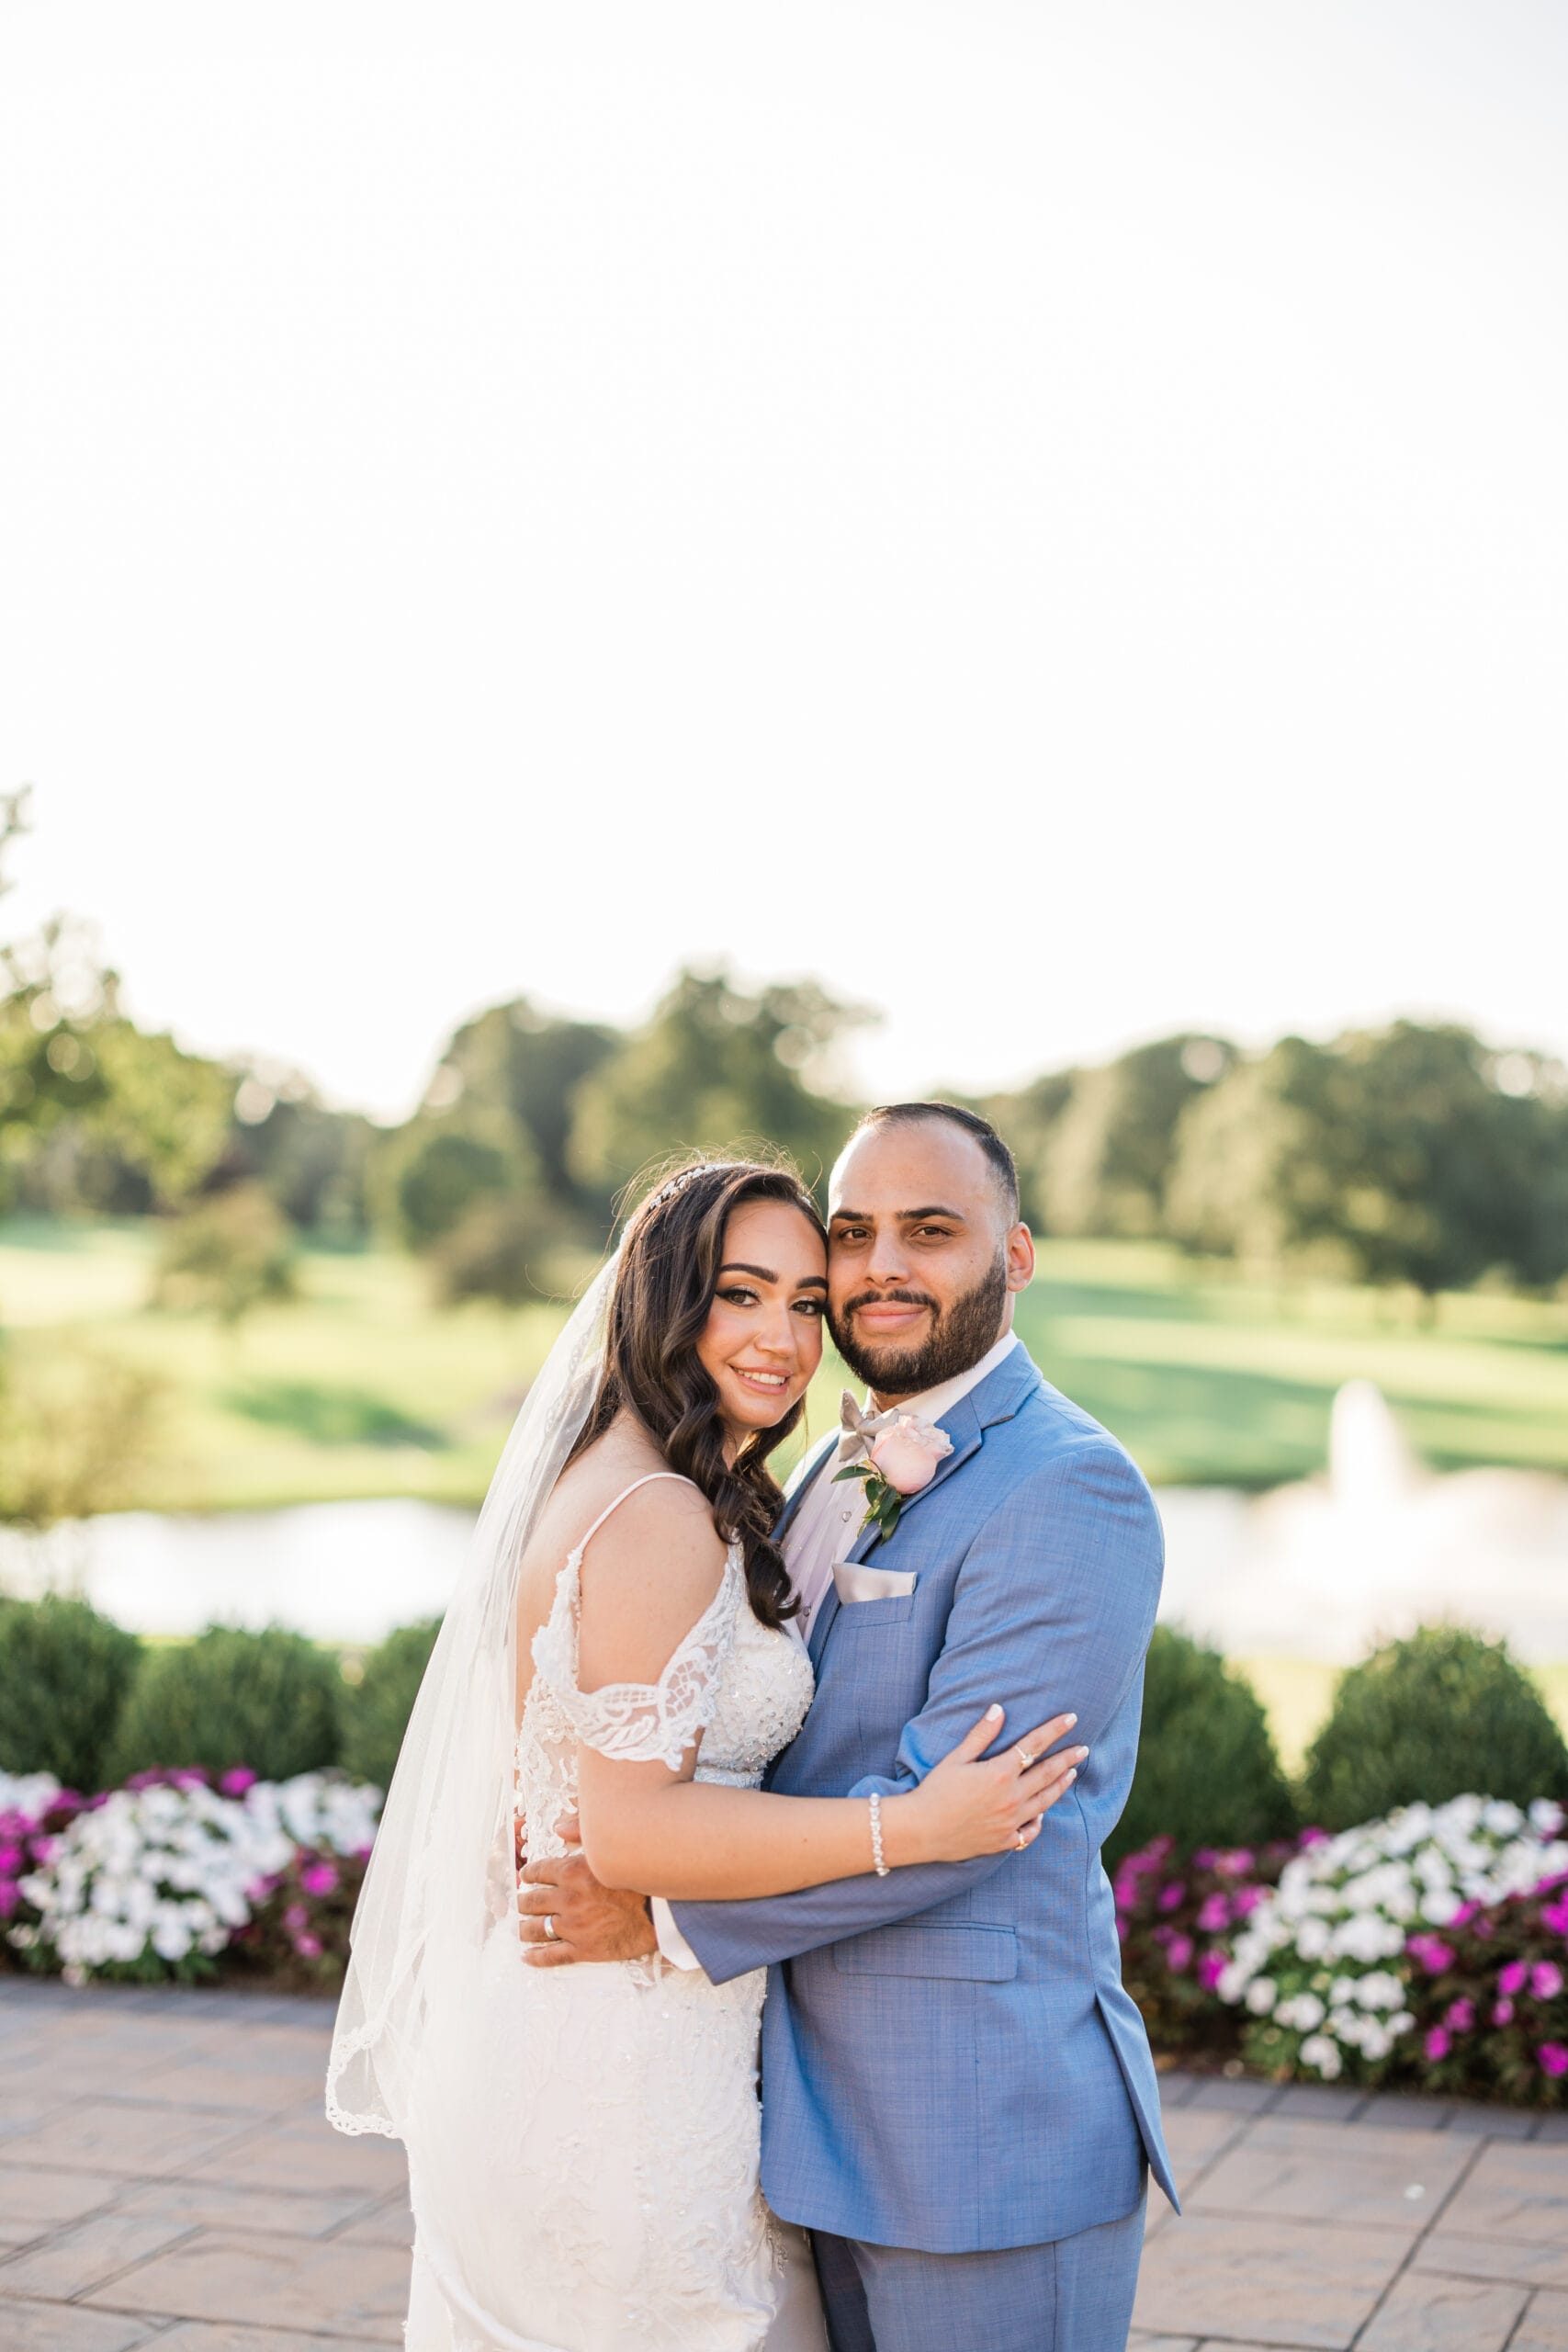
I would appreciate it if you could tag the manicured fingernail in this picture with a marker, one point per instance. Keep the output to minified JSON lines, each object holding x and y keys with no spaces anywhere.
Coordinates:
{"x":1074,"y":1773}
{"x":1071,"y":1721}
{"x":1080,"y":1751}
{"x":993,"y":1714}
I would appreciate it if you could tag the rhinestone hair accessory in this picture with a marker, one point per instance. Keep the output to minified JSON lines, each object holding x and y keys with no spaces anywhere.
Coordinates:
{"x":678,"y":1184}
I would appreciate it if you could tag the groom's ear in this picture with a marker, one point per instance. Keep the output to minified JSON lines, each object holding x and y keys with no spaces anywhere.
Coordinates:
{"x":1019,"y":1257}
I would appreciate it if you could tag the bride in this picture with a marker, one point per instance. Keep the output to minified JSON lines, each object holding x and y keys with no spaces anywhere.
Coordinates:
{"x":583,"y":2142}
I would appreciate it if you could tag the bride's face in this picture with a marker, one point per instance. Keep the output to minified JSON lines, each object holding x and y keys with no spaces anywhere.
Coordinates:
{"x":762,"y":1340}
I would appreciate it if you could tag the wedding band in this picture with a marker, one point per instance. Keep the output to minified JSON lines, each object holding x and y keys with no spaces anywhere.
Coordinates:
{"x":550,"y":1934}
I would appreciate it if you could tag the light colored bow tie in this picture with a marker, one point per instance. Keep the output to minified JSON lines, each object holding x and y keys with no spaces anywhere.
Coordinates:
{"x":858,"y":1431}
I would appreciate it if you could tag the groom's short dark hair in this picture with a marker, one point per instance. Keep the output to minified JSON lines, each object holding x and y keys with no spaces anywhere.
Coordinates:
{"x":1004,"y":1167}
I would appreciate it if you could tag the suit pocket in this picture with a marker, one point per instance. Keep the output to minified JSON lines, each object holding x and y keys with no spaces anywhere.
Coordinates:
{"x":920,"y":1948}
{"x":866,"y":1613}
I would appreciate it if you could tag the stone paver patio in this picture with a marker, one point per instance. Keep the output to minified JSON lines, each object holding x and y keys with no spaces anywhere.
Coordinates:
{"x":166,"y":2177}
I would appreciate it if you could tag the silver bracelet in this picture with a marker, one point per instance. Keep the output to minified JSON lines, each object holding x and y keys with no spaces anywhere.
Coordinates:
{"x":878,"y":1859}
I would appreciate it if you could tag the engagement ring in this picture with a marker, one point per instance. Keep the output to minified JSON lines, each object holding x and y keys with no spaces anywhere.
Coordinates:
{"x":1024,"y":1758}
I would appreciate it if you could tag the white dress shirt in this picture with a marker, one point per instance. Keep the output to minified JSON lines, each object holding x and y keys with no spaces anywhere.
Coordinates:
{"x":822,"y":1532}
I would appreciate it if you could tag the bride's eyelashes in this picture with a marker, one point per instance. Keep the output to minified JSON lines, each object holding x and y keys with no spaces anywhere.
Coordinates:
{"x":737,"y":1295}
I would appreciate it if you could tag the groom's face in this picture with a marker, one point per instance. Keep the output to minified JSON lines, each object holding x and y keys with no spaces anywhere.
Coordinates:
{"x":922,"y":1257}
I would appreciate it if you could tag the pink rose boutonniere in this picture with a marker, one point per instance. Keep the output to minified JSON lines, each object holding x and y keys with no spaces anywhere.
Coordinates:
{"x":893,"y":1454}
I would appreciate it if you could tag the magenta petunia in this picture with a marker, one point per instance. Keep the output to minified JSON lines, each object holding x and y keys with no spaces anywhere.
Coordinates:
{"x":1178,"y":1953}
{"x":317,"y":1878}
{"x":1173,"y":1896}
{"x":1512,"y":1978}
{"x":296,"y":1917}
{"x":1246,"y":1900}
{"x":1437,"y":2043}
{"x":308,"y":1947}
{"x":10,"y":1895}
{"x":1555,"y":1916}
{"x":1546,"y":1980}
{"x":1503,"y":2013}
{"x":237,"y":1780}
{"x":1553,"y":2058}
{"x":1211,"y":1968}
{"x":1214,"y":1915}
{"x":1434,"y":1955}
{"x":10,"y":1860}
{"x":1460,"y":2015}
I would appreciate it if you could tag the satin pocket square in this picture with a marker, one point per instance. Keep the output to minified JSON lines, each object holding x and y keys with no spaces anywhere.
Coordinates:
{"x":855,"y":1582}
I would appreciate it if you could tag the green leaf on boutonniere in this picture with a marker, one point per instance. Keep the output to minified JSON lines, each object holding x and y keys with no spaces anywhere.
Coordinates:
{"x":853,"y":1471}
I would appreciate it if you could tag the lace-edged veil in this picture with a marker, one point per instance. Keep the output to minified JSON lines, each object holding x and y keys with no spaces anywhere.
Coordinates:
{"x":443,"y":1869}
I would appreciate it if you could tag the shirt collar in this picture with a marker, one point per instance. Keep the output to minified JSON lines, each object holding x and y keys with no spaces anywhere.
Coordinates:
{"x":932,"y":1403}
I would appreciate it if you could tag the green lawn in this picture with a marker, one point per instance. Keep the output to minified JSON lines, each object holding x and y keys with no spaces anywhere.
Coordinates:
{"x":361,"y":1387}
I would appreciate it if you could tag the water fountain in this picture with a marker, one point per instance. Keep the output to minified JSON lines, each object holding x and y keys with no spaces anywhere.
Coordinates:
{"x":1381,"y":1543}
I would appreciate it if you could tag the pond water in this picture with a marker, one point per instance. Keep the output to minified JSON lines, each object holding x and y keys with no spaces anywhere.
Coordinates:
{"x":1319,"y":1569}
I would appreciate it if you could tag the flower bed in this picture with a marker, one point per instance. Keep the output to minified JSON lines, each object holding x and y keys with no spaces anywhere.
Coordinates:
{"x":173,"y":1872}
{"x":1175,"y":1917}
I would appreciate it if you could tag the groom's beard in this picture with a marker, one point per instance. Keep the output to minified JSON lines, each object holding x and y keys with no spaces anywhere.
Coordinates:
{"x":960,"y":1334}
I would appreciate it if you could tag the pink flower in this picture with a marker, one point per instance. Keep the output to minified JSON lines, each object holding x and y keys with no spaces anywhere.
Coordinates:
{"x":10,"y":1895}
{"x":907,"y":1453}
{"x":1464,"y":1915}
{"x":235,"y":1782}
{"x":1211,"y":1968}
{"x":1555,"y":1916}
{"x":1122,"y":1930}
{"x":1432,"y":1952}
{"x":296,"y":1917}
{"x":1460,"y":2016}
{"x":44,"y":1852}
{"x":10,"y":1858}
{"x":1503,"y":2013}
{"x":1553,"y":2058}
{"x":1237,"y":1862}
{"x":1437,"y":2043}
{"x":1245,"y":1901}
{"x":1179,"y":1952}
{"x":1511,"y":1978}
{"x":1171,"y":1897}
{"x":317,"y":1878}
{"x":1546,"y":1980}
{"x":1214,"y":1915}
{"x":308,"y":1947}
{"x":1208,"y":1858}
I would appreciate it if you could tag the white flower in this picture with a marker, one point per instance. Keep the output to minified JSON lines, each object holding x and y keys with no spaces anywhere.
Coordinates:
{"x":1320,"y":2052}
{"x":1260,"y":1994}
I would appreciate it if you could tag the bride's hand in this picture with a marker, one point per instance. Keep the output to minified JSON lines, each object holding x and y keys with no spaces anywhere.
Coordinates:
{"x":965,"y":1806}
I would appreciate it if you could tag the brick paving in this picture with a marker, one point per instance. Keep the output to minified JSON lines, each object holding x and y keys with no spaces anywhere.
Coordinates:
{"x":166,"y":2177}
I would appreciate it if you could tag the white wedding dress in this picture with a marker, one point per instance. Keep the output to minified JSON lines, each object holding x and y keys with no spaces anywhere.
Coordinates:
{"x":614,"y":2109}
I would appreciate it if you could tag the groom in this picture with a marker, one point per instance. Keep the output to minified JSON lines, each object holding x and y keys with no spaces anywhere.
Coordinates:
{"x":959,"y":2100}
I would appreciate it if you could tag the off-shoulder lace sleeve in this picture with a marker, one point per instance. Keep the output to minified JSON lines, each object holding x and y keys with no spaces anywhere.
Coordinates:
{"x":642,"y":1723}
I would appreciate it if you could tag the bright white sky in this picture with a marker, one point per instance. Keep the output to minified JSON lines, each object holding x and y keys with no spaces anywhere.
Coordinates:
{"x":1052,"y":519}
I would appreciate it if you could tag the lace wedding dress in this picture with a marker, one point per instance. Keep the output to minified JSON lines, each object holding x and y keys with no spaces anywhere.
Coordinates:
{"x":614,"y":2107}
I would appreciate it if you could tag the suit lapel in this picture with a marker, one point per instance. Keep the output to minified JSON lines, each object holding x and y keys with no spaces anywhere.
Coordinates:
{"x":997,"y":1398}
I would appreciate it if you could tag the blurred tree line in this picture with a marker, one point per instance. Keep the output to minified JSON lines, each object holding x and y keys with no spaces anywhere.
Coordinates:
{"x":1409,"y":1154}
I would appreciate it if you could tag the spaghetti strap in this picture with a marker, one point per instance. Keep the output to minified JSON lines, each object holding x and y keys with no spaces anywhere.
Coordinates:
{"x":647,"y":1480}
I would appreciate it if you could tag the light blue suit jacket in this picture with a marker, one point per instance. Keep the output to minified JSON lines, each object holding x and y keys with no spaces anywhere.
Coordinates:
{"x":950,"y":2060}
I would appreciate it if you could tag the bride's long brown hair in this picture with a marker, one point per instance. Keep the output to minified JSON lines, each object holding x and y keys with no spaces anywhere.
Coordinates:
{"x":670,"y":1256}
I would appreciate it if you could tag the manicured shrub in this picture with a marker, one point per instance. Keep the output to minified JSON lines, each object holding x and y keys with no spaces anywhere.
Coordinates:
{"x":377,"y":1710}
{"x":1207,"y":1771}
{"x":270,"y":1700}
{"x":64,"y":1673}
{"x":1424,"y":1720}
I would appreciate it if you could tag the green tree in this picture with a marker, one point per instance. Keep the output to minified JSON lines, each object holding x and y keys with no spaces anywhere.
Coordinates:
{"x":78,"y":1430}
{"x":427,"y":1176}
{"x":227,"y":1256}
{"x":502,"y":1247}
{"x":527,"y":1067}
{"x":1106,"y":1160}
{"x":1262,"y":1162}
{"x":310,"y":1160}
{"x":716,"y":1069}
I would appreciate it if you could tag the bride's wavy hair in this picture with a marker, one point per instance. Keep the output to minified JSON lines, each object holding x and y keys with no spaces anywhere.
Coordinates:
{"x":670,"y":1255}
